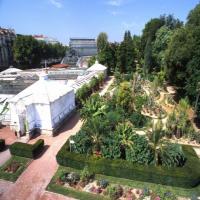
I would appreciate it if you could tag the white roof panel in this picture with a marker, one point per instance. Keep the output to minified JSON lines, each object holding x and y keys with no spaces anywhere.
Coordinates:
{"x":97,"y":67}
{"x":42,"y":91}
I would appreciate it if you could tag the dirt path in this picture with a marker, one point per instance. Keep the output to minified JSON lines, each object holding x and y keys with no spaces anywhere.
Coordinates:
{"x":107,"y":85}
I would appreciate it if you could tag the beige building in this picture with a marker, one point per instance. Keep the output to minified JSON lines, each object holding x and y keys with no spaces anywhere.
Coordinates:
{"x":7,"y":36}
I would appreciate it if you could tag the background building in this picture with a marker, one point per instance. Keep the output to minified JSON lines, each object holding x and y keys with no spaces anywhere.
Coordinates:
{"x":48,"y":40}
{"x":7,"y":36}
{"x":83,"y":46}
{"x":79,"y":52}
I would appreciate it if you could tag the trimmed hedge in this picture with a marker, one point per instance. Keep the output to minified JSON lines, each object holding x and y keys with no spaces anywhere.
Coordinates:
{"x":27,"y":150}
{"x":2,"y":144}
{"x":187,"y":176}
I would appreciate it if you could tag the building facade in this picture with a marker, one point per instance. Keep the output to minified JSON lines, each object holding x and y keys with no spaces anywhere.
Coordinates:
{"x":48,"y":40}
{"x":7,"y":36}
{"x":83,"y":46}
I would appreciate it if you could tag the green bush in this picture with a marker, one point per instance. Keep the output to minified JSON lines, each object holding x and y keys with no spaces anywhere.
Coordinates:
{"x":187,"y":176}
{"x":172,"y":156}
{"x":71,"y":178}
{"x":140,"y":152}
{"x":2,"y":144}
{"x":114,"y":191}
{"x":138,"y":120}
{"x":86,"y":175}
{"x":27,"y":150}
{"x":82,"y":143}
{"x":103,"y":183}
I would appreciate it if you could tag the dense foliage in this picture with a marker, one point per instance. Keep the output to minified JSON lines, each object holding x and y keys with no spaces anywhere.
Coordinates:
{"x":111,"y":134}
{"x":86,"y":90}
{"x":186,"y":176}
{"x":167,"y":48}
{"x":29,"y":52}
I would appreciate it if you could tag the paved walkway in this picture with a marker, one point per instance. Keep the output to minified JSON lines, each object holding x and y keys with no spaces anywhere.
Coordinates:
{"x":33,"y":181}
{"x":9,"y":137}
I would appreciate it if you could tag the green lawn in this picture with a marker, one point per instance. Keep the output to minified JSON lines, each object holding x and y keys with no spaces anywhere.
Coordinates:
{"x":24,"y":162}
{"x":136,"y":184}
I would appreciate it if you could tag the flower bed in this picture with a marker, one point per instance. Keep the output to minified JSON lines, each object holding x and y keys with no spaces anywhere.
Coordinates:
{"x":70,"y":184}
{"x":13,"y":168}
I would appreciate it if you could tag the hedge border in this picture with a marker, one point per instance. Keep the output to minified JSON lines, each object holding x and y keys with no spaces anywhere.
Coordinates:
{"x":187,"y":176}
{"x":27,"y":150}
{"x":14,"y":176}
{"x":2,"y":144}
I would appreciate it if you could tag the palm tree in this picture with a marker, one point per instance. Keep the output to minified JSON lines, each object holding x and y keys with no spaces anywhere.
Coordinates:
{"x":96,"y":130}
{"x":182,"y":116}
{"x":93,"y":107}
{"x":125,"y":134}
{"x":156,"y":141}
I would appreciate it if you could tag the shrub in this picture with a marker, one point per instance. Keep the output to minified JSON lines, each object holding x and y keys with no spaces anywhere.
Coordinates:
{"x":139,"y":101}
{"x":111,"y":148}
{"x":103,"y":183}
{"x":140,"y":152}
{"x":2,"y":144}
{"x":27,"y":150}
{"x":86,"y":175}
{"x":172,"y":156}
{"x":194,"y":136}
{"x":115,"y":191}
{"x":72,"y":178}
{"x":138,"y":120}
{"x":162,"y":194}
{"x":82,"y":143}
{"x":187,"y":176}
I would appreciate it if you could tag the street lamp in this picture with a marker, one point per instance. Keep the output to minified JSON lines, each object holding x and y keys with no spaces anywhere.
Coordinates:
{"x":70,"y":143}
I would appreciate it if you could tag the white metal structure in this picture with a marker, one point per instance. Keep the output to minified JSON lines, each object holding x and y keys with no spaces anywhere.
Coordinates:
{"x":98,"y":68}
{"x":43,"y":105}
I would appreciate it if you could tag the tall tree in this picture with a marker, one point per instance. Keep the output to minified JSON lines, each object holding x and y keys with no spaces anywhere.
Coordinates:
{"x":178,"y":55}
{"x":26,"y":50}
{"x":163,"y":37}
{"x":126,"y":54}
{"x":102,"y":41}
{"x":193,"y":18}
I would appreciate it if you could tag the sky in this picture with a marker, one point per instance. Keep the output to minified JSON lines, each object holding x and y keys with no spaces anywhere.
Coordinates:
{"x":62,"y":19}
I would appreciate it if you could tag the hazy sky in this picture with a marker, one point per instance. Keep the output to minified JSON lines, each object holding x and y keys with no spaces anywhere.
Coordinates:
{"x":63,"y":19}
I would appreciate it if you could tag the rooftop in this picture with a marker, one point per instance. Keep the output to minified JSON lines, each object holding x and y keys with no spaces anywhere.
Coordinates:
{"x":43,"y":91}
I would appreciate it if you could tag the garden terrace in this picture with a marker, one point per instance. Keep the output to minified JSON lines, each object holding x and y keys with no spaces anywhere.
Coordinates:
{"x":187,"y":176}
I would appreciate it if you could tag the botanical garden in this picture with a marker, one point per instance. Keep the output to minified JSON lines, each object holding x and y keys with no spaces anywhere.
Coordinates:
{"x":138,"y":140}
{"x":136,"y":131}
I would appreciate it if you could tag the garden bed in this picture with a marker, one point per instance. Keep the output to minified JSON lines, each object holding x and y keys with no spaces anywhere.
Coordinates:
{"x":187,"y":176}
{"x":13,"y":168}
{"x":131,"y":189}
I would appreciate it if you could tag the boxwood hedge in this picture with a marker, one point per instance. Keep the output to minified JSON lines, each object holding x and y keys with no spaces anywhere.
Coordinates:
{"x":187,"y":176}
{"x":27,"y":150}
{"x":2,"y":144}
